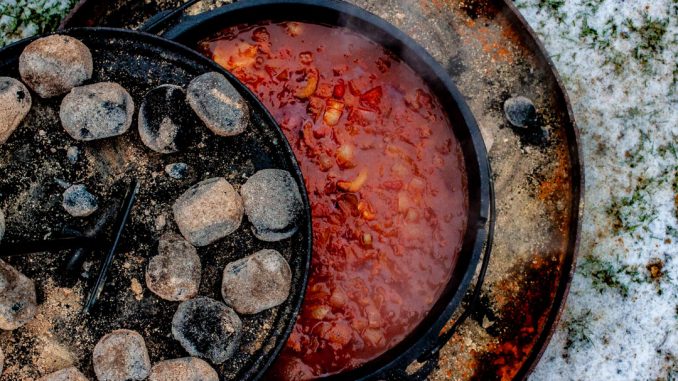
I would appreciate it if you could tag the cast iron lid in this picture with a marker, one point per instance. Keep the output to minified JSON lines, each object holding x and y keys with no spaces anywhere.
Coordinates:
{"x":193,"y":29}
{"x":34,"y":161}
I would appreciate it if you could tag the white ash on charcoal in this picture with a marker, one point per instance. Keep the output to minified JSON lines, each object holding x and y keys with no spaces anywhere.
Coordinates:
{"x":18,"y":302}
{"x":164,"y":123}
{"x":97,"y":111}
{"x":272,"y":203}
{"x":256,"y":283}
{"x":218,"y":104}
{"x":160,"y":222}
{"x":53,"y":65}
{"x":73,"y":154}
{"x":207,"y":328}
{"x":15,"y":103}
{"x":208,"y":211}
{"x":79,"y":202}
{"x":177,"y":171}
{"x":68,"y":374}
{"x":174,"y":274}
{"x":183,"y":369}
{"x":121,"y":356}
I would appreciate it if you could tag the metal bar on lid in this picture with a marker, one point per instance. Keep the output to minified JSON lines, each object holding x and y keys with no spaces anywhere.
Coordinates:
{"x":123,"y":217}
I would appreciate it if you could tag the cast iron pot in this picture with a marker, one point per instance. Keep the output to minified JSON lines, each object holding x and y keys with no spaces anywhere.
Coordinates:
{"x":425,"y":338}
{"x":139,"y":62}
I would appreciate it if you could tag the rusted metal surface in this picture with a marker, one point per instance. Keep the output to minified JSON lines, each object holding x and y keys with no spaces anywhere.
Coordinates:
{"x":492,"y":54}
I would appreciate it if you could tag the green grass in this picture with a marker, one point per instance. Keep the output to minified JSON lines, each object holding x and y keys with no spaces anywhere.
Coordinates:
{"x":637,"y":209}
{"x":610,"y":275}
{"x":553,"y":8}
{"x":628,"y":213}
{"x":667,"y":152}
{"x":637,"y":155}
{"x":651,"y":34}
{"x":552,"y":5}
{"x":578,"y":331}
{"x":35,"y":16}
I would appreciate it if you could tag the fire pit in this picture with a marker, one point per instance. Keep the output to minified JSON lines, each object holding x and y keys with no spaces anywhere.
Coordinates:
{"x":492,"y":55}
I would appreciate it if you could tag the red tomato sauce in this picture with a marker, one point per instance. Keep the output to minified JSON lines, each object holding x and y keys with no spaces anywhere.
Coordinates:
{"x":385,"y":177}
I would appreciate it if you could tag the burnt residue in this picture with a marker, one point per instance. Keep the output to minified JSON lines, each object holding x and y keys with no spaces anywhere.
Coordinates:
{"x":456,"y":66}
{"x":483,"y":312}
{"x":535,"y":135}
{"x":479,"y":8}
{"x":518,"y":321}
